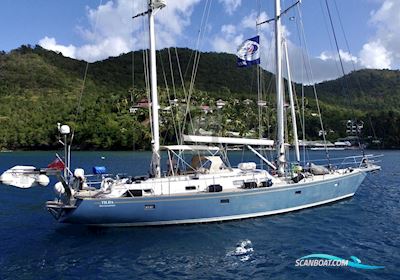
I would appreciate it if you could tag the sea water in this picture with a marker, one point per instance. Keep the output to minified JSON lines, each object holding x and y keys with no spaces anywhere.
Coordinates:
{"x":34,"y":246}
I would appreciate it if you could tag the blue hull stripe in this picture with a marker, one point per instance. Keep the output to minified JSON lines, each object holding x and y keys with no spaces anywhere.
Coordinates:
{"x":210,"y":207}
{"x":227,"y":218}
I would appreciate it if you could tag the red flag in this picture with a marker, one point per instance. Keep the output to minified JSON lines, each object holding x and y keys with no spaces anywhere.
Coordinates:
{"x":57,"y":164}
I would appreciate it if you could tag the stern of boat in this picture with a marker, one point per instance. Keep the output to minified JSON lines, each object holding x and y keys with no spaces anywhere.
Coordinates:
{"x":59,"y":210}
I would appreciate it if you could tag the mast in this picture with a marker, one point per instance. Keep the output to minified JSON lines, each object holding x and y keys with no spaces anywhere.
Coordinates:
{"x":293,"y":112}
{"x":280,"y":147}
{"x":154,"y":6}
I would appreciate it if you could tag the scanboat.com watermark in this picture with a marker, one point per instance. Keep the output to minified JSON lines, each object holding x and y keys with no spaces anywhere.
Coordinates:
{"x":333,"y":261}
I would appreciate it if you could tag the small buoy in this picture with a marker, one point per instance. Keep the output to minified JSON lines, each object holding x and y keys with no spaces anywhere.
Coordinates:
{"x":43,"y":180}
{"x":103,"y":158}
{"x":59,"y":188}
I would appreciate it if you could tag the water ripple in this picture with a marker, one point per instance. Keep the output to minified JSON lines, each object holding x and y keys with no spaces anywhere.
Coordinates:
{"x":33,"y":246}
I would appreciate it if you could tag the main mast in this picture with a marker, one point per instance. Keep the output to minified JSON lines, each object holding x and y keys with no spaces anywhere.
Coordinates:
{"x":154,"y":5}
{"x":280,"y":147}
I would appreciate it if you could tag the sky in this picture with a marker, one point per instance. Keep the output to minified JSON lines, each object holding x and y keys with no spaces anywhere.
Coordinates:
{"x":96,"y":29}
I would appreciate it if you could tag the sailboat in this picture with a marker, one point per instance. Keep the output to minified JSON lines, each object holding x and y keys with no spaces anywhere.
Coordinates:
{"x":205,"y":188}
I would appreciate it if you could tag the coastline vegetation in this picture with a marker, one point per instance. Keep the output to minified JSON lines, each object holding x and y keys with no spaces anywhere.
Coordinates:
{"x":39,"y":88}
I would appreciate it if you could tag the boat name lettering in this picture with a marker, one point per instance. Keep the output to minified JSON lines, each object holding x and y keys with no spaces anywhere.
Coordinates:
{"x":107,"y":203}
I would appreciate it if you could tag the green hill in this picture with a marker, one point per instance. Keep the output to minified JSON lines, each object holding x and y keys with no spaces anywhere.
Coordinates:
{"x":368,"y":89}
{"x":39,"y":88}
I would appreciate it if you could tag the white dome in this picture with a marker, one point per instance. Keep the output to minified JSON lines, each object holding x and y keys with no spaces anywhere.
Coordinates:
{"x":65,"y":129}
{"x":59,"y":188}
{"x":43,"y":180}
{"x":79,"y":173}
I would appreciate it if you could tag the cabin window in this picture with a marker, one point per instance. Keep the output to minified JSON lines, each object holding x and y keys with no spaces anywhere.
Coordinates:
{"x":224,"y":200}
{"x":133,"y":193}
{"x":250,"y":185}
{"x":214,"y":188}
{"x":190,"y":188}
{"x":266,"y":184}
{"x":238,"y":183}
{"x":298,"y":192}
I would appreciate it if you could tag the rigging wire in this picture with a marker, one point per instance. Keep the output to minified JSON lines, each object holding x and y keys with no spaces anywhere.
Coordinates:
{"x":203,"y":24}
{"x":337,"y":46}
{"x":259,"y":81}
{"x":328,"y":33}
{"x":146,"y":72}
{"x":346,"y":42}
{"x":266,"y":89}
{"x":133,"y":75}
{"x":168,"y":96}
{"x":345,"y":80}
{"x":354,"y":66}
{"x":302,"y":112}
{"x":177,"y":124}
{"x":259,"y":73}
{"x":188,"y":64}
{"x":183,"y":86}
{"x":292,"y":87}
{"x":313,"y":85}
{"x":78,"y":109}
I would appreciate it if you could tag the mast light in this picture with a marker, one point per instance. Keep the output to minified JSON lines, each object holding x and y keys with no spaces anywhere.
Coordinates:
{"x":65,"y":129}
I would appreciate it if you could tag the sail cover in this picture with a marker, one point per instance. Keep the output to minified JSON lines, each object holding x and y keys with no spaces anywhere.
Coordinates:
{"x":227,"y":140}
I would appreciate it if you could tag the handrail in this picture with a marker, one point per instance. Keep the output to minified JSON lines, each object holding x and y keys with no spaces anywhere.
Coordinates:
{"x":360,"y":156}
{"x":355,"y":161}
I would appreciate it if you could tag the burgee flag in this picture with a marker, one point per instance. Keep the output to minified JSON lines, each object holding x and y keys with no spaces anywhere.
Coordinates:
{"x":248,"y":52}
{"x":57,"y":164}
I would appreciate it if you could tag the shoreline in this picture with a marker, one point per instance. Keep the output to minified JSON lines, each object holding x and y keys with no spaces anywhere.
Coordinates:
{"x":143,"y":150}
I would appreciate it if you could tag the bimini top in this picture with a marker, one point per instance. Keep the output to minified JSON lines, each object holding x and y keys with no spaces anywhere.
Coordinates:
{"x":190,"y":148}
{"x":227,"y":140}
{"x":208,"y":164}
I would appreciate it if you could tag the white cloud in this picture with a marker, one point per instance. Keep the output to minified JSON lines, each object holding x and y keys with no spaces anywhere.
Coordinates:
{"x":223,"y":45}
{"x":51,"y":44}
{"x":110,"y":46}
{"x":228,"y":29}
{"x":324,"y":70}
{"x":383,"y":49}
{"x":249,"y":21}
{"x":112,"y":30}
{"x":176,"y":17}
{"x":375,"y":55}
{"x":231,"y":5}
{"x":325,"y":56}
{"x":324,"y":67}
{"x":228,"y":40}
{"x":231,"y":36}
{"x":345,"y":56}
